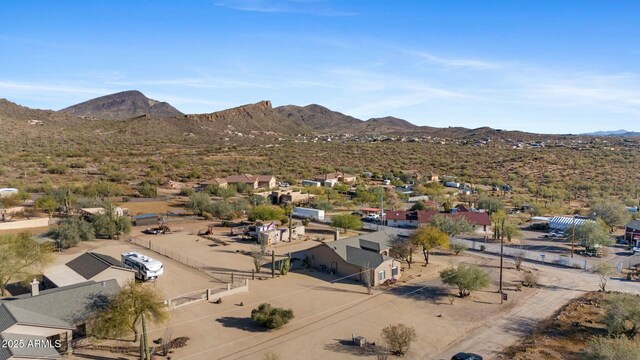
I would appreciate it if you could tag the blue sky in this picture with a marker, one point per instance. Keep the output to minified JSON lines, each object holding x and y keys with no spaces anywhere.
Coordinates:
{"x":541,"y":66}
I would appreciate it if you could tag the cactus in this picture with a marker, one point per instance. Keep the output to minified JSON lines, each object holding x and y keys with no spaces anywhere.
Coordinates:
{"x":285,"y":266}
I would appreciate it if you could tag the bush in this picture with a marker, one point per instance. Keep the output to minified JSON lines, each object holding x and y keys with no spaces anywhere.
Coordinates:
{"x":530,"y":279}
{"x":612,"y":349}
{"x":69,"y":232}
{"x":398,"y":338}
{"x":457,"y":248}
{"x":270,"y":317}
{"x":266,"y":212}
{"x":622,"y":315}
{"x":466,"y":277}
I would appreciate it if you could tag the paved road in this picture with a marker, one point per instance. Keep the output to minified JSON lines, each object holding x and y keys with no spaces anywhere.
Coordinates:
{"x":562,"y":285}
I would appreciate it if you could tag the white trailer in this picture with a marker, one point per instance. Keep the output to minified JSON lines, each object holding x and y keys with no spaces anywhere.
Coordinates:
{"x":308,"y":213}
{"x":146,"y":268}
{"x":452,"y":184}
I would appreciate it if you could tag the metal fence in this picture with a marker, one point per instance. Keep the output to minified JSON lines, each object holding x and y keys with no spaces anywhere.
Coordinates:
{"x":515,"y":251}
{"x":227,"y":276}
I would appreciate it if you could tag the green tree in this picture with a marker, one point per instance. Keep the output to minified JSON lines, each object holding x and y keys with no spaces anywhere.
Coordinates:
{"x":69,"y":232}
{"x":592,"y":235}
{"x":125,"y":312}
{"x":398,"y":338}
{"x":346,"y":222}
{"x":465,"y":277}
{"x":266,"y":212}
{"x":109,"y":224}
{"x":491,"y":204}
{"x":47,"y":203}
{"x":148,"y":190}
{"x":611,"y":211}
{"x":429,"y":238}
{"x":21,"y":258}
{"x":199,"y":202}
{"x":451,"y":225}
{"x":270,"y":317}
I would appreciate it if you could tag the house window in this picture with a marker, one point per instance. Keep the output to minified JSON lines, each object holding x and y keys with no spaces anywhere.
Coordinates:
{"x":394,"y":271}
{"x":381,"y":275}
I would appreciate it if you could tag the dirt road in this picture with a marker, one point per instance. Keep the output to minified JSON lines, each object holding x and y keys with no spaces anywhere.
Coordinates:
{"x":560,"y":286}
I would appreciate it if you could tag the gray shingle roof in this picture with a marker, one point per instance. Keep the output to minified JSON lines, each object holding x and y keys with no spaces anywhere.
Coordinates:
{"x":91,"y":264}
{"x":363,"y":258}
{"x":35,"y":347}
{"x":358,"y":254}
{"x":28,"y":317}
{"x":634,"y":224}
{"x":69,"y":304}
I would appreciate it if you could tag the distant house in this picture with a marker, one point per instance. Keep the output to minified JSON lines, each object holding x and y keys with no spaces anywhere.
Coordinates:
{"x":219,"y":182}
{"x":91,"y":212}
{"x":88,"y":266}
{"x":349,"y":257}
{"x":632,"y":232}
{"x":253,"y":181}
{"x":52,"y":318}
{"x":335,"y":177}
{"x":146,"y":220}
{"x":289,"y":197}
{"x":399,"y":218}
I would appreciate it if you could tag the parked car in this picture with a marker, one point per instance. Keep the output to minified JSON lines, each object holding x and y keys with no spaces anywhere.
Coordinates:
{"x":635,"y":250}
{"x":555,"y":234}
{"x":466,"y":356}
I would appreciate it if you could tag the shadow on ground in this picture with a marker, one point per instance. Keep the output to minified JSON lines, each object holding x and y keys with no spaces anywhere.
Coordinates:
{"x":349,"y":347}
{"x":242,"y":323}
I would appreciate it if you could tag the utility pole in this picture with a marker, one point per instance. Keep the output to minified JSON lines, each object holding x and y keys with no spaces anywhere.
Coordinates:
{"x":381,"y":206}
{"x":573,"y":233}
{"x":501,"y":260}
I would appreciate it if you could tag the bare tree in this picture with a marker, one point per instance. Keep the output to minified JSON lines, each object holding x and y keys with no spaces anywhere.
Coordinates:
{"x":518,"y":257}
{"x":604,"y":270}
{"x":257,"y":255}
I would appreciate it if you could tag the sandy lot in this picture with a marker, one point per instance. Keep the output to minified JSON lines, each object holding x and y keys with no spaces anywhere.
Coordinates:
{"x":177,"y":279}
{"x":327,"y":314}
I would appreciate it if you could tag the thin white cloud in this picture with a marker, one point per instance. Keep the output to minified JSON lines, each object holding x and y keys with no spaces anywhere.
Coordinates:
{"x":25,"y":87}
{"x":456,"y":62}
{"x":205,"y":83}
{"x":312,"y":7}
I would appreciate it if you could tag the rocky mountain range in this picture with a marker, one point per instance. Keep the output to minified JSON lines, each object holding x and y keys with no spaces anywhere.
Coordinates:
{"x":132,"y":112}
{"x":122,"y":105}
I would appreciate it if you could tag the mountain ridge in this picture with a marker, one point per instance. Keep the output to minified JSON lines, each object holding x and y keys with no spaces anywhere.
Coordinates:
{"x":122,"y":105}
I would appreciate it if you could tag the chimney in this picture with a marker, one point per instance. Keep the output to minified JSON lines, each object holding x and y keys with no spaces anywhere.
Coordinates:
{"x":35,"y":289}
{"x":336,"y":235}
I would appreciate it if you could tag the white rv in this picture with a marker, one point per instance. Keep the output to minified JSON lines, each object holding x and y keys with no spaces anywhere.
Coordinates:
{"x":146,"y":268}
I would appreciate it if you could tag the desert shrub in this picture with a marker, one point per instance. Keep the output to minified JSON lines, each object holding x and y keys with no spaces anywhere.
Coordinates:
{"x":270,"y":317}
{"x":622,"y":315}
{"x":398,"y":338}
{"x":620,"y":348}
{"x":266,"y":212}
{"x":57,"y":169}
{"x":457,"y":248}
{"x":530,"y":279}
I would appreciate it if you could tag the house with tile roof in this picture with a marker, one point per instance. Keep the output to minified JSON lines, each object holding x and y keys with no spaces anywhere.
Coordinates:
{"x":49,"y":320}
{"x":88,"y":266}
{"x":352,"y":256}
